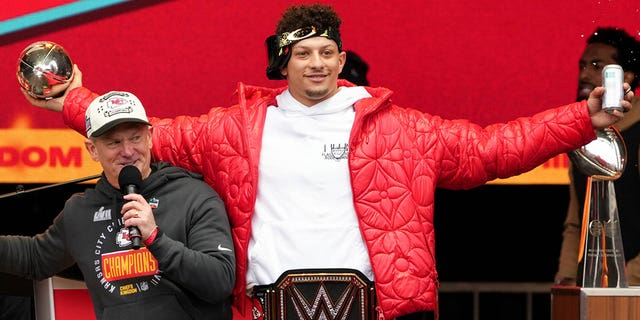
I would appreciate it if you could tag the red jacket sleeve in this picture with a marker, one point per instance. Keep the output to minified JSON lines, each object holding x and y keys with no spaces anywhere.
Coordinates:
{"x":75,"y":105}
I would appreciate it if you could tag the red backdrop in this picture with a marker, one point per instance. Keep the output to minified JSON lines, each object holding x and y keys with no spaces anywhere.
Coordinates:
{"x":484,"y":60}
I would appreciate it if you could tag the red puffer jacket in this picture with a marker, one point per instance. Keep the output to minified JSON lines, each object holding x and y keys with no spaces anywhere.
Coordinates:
{"x":397,"y":158}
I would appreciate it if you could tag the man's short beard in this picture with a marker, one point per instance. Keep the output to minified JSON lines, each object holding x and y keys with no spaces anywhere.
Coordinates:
{"x":316,"y":93}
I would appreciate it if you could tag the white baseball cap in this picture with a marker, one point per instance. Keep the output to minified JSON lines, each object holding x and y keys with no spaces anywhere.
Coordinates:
{"x":111,"y":109}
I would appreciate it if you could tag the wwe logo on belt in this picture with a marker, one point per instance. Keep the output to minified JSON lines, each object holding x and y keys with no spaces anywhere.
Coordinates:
{"x":322,"y":306}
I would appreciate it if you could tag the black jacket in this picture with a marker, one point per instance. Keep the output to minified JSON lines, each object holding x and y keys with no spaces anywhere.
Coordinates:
{"x":188,"y":272}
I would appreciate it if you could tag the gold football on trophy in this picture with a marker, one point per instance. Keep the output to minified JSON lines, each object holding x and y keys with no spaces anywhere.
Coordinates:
{"x":44,"y":69}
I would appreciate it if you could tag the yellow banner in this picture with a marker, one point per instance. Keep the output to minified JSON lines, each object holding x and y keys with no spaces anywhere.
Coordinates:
{"x":58,"y":155}
{"x":554,"y":171}
{"x":44,"y":156}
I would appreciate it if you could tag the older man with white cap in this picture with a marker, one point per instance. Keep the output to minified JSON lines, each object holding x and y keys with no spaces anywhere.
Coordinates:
{"x":185,"y":268}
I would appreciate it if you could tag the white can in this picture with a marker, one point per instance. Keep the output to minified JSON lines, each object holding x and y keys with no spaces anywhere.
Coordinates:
{"x":612,"y":80}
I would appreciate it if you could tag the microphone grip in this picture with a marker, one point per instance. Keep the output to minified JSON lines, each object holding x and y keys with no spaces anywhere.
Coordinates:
{"x":131,"y":188}
{"x":135,"y":237}
{"x":134,"y":233}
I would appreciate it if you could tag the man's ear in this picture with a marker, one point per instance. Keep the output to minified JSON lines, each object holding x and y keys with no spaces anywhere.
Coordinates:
{"x":91,"y":148}
{"x":343,"y":60}
{"x":150,"y":137}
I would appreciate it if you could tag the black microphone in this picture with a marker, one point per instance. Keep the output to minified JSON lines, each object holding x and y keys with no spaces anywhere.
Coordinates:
{"x":130,"y":180}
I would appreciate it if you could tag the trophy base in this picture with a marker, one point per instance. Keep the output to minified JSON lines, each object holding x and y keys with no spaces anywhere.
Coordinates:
{"x":575,"y":303}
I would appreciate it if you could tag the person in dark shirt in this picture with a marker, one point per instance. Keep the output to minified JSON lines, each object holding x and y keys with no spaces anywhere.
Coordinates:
{"x":607,"y":45}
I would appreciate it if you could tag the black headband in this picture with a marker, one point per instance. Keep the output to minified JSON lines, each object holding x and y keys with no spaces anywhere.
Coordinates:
{"x":279,"y":47}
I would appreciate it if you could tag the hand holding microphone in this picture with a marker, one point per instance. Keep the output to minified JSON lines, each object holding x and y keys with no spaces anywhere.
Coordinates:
{"x":130,"y":180}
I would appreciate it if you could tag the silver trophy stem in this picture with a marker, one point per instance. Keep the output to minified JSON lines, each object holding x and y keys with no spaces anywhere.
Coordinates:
{"x":601,"y":259}
{"x":604,"y":262}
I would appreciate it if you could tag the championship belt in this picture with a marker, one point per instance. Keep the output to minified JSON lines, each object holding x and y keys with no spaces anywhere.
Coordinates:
{"x":317,"y":294}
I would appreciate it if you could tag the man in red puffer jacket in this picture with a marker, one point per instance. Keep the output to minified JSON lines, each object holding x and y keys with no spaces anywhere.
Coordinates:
{"x":324,"y":174}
